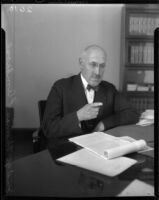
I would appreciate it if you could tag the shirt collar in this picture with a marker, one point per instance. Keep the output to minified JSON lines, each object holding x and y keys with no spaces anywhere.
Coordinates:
{"x":85,"y":83}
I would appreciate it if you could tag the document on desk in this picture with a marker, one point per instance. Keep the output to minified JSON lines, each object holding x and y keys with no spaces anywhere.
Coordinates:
{"x":138,"y":188}
{"x":108,"y":146}
{"x":88,"y":160}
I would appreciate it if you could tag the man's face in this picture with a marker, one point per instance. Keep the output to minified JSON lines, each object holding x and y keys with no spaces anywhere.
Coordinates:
{"x":93,"y":67}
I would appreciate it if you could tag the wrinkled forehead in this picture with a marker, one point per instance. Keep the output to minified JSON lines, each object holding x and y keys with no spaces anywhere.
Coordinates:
{"x":96,"y":56}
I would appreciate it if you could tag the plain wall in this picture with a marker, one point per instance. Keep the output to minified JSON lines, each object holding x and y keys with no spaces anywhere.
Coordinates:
{"x":48,"y":43}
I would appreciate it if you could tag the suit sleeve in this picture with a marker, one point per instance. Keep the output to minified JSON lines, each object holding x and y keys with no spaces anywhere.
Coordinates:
{"x":123,"y":113}
{"x":55,"y":123}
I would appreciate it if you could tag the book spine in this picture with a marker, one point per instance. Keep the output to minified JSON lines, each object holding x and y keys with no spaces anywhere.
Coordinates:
{"x":132,"y":53}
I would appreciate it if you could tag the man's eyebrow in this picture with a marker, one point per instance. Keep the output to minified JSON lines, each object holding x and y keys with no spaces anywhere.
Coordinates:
{"x":97,"y":62}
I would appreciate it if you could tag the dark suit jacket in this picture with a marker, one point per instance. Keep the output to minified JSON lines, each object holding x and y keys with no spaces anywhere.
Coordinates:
{"x":67,"y":96}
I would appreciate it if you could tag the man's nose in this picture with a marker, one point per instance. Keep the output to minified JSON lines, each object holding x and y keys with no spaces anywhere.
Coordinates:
{"x":97,"y":70}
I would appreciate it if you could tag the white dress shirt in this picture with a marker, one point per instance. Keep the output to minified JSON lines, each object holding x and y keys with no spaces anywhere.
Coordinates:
{"x":89,"y":93}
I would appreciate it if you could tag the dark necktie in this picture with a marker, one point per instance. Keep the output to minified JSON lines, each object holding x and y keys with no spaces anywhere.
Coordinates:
{"x":95,"y":88}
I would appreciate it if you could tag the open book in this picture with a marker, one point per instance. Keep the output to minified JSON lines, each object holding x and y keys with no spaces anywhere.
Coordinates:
{"x":108,"y":146}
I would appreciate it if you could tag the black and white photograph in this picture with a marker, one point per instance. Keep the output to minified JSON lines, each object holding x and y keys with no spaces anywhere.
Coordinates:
{"x":80,"y":99}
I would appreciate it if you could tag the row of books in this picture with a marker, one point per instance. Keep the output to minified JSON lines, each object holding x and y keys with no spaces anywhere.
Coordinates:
{"x":140,"y":87}
{"x":143,"y":25}
{"x":142,"y":53}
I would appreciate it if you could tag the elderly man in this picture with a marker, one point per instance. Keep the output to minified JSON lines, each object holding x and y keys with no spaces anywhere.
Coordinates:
{"x":85,"y":103}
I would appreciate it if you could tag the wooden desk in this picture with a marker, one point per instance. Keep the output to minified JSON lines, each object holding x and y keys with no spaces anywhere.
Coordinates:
{"x":40,"y":174}
{"x":137,"y":132}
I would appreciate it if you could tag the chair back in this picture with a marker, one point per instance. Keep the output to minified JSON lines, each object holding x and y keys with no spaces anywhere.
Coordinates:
{"x":41,"y":106}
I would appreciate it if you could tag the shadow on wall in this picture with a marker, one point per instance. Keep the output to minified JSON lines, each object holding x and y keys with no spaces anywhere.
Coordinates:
{"x":47,"y":48}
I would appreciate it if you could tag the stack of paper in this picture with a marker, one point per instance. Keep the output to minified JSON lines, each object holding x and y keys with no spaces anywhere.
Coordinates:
{"x":146,"y":118}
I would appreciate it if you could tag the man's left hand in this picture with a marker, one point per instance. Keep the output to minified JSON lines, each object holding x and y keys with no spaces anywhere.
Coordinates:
{"x":99,"y":127}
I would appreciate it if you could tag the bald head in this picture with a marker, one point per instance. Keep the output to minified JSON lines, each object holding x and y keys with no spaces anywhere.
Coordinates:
{"x":93,"y":49}
{"x":92,"y":64}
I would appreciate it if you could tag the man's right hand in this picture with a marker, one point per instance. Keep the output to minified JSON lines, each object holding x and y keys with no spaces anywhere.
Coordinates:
{"x":89,"y":111}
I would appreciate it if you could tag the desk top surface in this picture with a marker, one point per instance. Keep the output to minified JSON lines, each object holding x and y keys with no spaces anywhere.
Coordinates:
{"x":41,"y":175}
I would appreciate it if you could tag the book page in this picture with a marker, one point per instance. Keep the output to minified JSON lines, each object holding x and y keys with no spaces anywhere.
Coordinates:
{"x":88,"y":160}
{"x":91,"y":138}
{"x":94,"y":138}
{"x":101,"y":146}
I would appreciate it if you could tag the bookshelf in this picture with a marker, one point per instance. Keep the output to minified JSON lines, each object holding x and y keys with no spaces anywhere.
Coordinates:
{"x":137,"y":53}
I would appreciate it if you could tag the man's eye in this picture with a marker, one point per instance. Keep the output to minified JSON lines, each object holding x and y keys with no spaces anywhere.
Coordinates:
{"x":94,"y":64}
{"x":102,"y":65}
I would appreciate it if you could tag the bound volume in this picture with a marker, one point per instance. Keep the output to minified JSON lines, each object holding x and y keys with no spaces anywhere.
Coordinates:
{"x":108,"y":146}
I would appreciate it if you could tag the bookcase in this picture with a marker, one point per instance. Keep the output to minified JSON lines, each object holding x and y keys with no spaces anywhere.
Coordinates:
{"x":137,"y":54}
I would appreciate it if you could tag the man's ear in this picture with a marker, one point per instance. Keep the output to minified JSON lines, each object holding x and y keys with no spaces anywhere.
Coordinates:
{"x":81,"y":62}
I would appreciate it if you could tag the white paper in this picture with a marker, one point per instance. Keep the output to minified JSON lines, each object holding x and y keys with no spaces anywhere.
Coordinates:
{"x":89,"y":139}
{"x":138,"y":188}
{"x":86,"y":159}
{"x":145,"y":122}
{"x":146,"y":118}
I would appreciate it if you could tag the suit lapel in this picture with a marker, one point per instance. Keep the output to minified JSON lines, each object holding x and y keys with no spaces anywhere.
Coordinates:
{"x":78,"y":91}
{"x":100,"y":96}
